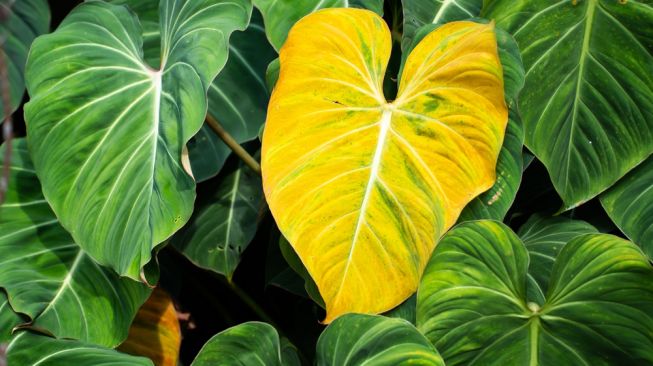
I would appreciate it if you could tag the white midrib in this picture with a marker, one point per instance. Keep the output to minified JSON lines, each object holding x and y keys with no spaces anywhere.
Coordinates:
{"x":534,"y":328}
{"x":587,"y":33}
{"x":66,"y":281}
{"x":157,"y":77}
{"x":443,"y":7}
{"x":374,"y":169}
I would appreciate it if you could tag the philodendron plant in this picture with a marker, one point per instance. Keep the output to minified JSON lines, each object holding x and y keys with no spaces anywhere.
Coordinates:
{"x":328,"y":182}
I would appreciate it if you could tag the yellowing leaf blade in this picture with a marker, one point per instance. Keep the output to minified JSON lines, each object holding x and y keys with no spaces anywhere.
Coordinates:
{"x":363,"y":188}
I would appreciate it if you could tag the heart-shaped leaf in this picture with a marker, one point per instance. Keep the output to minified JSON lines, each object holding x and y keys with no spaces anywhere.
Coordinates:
{"x":107,"y":131}
{"x":472,"y":301}
{"x":357,"y":339}
{"x":587,"y":104}
{"x":30,"y":349}
{"x":48,"y":277}
{"x":23,"y":21}
{"x":630,"y":205}
{"x":421,"y":12}
{"x":238,"y":96}
{"x":251,"y":344}
{"x":222,"y":227}
{"x":361,"y":187}
{"x":155,"y":332}
{"x":280,"y":16}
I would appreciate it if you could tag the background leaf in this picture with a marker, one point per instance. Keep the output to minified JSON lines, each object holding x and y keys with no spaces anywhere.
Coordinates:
{"x":280,"y":16}
{"x":251,"y":344}
{"x":48,"y":277}
{"x":223,"y":226}
{"x":472,"y":301}
{"x":587,"y":104}
{"x":30,"y":349}
{"x":238,"y":99}
{"x":155,"y":332}
{"x":25,"y":20}
{"x":421,"y":12}
{"x":630,"y":205}
{"x":108,"y":131}
{"x":357,"y":339}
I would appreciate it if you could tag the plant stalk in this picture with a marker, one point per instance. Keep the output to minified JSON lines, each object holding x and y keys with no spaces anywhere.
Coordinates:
{"x":247,"y":300}
{"x":233,"y":144}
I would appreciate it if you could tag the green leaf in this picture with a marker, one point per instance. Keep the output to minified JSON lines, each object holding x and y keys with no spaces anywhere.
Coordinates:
{"x":107,"y":131}
{"x":472,"y":301}
{"x":272,"y":75}
{"x":238,"y":96}
{"x":148,"y":14}
{"x":48,"y":277}
{"x":544,"y":237}
{"x":222,"y":228}
{"x":31,"y":349}
{"x":26,"y":20}
{"x":357,"y":339}
{"x":251,"y":344}
{"x":296,"y":264}
{"x":421,"y":12}
{"x":405,"y":311}
{"x":238,"y":99}
{"x":629,"y":203}
{"x":280,"y":16}
{"x":8,"y":318}
{"x":587,"y":104}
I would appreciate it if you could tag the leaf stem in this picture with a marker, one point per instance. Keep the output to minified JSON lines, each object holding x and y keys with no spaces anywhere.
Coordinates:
{"x":233,"y":144}
{"x":251,"y":303}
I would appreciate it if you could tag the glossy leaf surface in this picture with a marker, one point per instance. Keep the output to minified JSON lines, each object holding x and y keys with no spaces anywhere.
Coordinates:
{"x":251,"y":344}
{"x":48,"y":277}
{"x":238,"y":99}
{"x":155,"y":332}
{"x":108,"y":131}
{"x":357,"y":339}
{"x":53,"y":352}
{"x":544,"y":238}
{"x":222,"y":228}
{"x":630,"y":205}
{"x":281,"y":15}
{"x":472,"y":301}
{"x":25,"y":20}
{"x":587,"y":104}
{"x":8,"y":318}
{"x":362,"y":188}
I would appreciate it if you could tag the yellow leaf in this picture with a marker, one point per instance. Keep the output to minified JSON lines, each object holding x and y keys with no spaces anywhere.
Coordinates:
{"x":155,"y":331}
{"x":361,"y":187}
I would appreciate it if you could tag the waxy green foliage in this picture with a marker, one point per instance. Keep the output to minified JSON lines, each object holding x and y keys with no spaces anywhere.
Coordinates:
{"x":472,"y":301}
{"x":25,"y":20}
{"x":108,"y":131}
{"x":587,"y":104}
{"x":48,"y":277}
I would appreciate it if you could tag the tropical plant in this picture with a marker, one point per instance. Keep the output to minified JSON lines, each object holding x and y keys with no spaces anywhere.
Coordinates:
{"x":328,"y":182}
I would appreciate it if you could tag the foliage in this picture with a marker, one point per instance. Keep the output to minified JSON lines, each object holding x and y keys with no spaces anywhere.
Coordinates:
{"x":328,"y":182}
